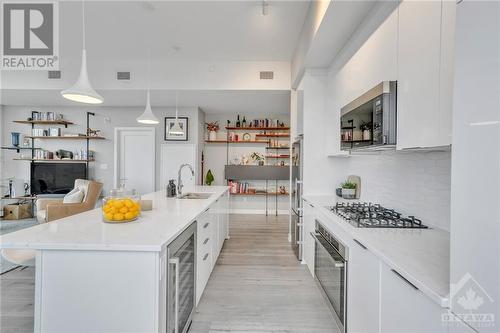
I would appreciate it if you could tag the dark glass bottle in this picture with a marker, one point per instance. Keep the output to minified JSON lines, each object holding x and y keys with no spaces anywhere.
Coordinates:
{"x":171,"y":189}
{"x":238,"y":124}
{"x":244,"y":122}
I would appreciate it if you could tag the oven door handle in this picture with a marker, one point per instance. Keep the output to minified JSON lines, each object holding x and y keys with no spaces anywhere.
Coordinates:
{"x":337,"y":264}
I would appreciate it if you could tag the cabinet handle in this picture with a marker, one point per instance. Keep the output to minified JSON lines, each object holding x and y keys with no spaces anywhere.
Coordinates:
{"x":404,"y":279}
{"x":205,"y":257}
{"x":206,"y":225}
{"x":206,"y":210}
{"x":359,"y":243}
{"x":206,"y":241}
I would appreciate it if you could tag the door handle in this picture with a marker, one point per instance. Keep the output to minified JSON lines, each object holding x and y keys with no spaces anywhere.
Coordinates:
{"x":206,"y":225}
{"x":404,"y":279}
{"x":359,"y":243}
{"x":175,"y":262}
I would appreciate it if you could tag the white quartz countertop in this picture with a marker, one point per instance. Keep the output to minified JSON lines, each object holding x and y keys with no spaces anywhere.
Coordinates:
{"x":87,"y":231}
{"x":422,"y":256}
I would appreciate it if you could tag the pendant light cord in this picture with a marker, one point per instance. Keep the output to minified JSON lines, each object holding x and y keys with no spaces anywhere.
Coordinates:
{"x":83,"y":24}
{"x":176,"y":109}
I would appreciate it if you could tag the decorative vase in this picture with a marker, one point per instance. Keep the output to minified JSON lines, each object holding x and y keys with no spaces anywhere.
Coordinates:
{"x":15,"y":138}
{"x":261,"y":163}
{"x":367,"y":134}
{"x":348,"y":193}
{"x":212,"y":136}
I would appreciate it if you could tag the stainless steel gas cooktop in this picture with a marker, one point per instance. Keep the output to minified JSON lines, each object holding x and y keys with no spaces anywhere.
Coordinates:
{"x":369,"y":215}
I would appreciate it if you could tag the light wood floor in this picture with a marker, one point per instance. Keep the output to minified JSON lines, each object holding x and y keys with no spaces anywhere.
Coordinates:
{"x":257,"y":286}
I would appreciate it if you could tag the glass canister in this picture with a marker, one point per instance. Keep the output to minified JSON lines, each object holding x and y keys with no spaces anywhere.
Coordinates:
{"x":121,"y":205}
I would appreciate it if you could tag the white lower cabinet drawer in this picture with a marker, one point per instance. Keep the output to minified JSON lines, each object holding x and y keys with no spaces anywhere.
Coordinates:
{"x":404,"y":308}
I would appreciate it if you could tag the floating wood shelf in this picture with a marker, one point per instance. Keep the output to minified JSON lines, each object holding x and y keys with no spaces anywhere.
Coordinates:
{"x":52,"y":160}
{"x":349,"y":141}
{"x":241,"y":141}
{"x":277,"y":147}
{"x":273,"y":135}
{"x":258,"y":128}
{"x":44,"y":122}
{"x":277,"y":156}
{"x":80,"y":137}
{"x":28,"y":197}
{"x":18,"y":149}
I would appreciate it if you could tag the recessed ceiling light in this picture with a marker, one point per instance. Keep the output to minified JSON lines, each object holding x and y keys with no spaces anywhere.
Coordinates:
{"x":148,"y":5}
{"x":176,"y":48}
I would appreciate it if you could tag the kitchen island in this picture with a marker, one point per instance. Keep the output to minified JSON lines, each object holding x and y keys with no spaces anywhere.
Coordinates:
{"x":93,"y":276}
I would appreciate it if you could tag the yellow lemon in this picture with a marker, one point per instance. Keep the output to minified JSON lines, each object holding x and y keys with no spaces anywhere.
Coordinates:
{"x":129,"y":203}
{"x":108,"y":216}
{"x":130,"y":216}
{"x":138,"y":206}
{"x":118,"y":217}
{"x":118,"y":204}
{"x":124,"y":210}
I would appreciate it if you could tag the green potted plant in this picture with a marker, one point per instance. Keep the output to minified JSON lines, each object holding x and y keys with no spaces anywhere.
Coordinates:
{"x":258,"y":157}
{"x":209,"y":179}
{"x":367,"y":130}
{"x":348,"y":190}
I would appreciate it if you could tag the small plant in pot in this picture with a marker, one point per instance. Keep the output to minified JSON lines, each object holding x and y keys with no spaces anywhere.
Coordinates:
{"x":348,"y":190}
{"x":212,"y":129}
{"x":258,"y":157}
{"x":367,"y":130}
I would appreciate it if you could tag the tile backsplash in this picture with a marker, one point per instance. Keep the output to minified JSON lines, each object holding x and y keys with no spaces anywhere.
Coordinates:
{"x":414,"y":183}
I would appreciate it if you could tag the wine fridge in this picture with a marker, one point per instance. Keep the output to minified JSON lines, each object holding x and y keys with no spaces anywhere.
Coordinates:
{"x":181,"y":281}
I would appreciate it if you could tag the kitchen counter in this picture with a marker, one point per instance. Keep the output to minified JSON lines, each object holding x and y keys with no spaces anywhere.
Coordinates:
{"x":422,"y":256}
{"x":105,"y":277}
{"x":87,"y":231}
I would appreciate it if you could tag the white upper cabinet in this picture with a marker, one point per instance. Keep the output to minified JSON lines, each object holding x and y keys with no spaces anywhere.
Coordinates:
{"x":425,"y":73}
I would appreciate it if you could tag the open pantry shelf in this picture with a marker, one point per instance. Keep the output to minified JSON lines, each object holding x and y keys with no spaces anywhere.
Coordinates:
{"x":261,"y":194}
{"x":52,"y":160}
{"x":258,"y":128}
{"x":236,"y":142}
{"x":45,"y":122}
{"x":80,"y":137}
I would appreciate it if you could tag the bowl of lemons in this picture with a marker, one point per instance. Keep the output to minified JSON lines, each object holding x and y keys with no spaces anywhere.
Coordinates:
{"x":121,"y":206}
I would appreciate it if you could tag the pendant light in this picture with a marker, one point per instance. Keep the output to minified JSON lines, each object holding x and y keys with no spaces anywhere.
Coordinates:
{"x":176,"y":128}
{"x":82,"y":90}
{"x":148,"y":116}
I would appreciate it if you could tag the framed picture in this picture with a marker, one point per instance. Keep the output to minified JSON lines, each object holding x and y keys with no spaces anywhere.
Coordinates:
{"x":169,"y":123}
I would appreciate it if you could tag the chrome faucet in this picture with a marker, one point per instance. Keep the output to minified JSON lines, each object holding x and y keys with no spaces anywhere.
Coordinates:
{"x":179,"y":180}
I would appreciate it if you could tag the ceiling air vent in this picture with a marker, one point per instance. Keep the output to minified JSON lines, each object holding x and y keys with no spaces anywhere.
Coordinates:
{"x":267,"y":75}
{"x":54,"y":75}
{"x":123,"y":76}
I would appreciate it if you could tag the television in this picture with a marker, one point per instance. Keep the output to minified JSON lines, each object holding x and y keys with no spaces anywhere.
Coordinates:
{"x":55,"y":178}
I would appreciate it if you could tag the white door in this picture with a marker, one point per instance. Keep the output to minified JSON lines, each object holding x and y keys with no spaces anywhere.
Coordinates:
{"x":135,"y":158}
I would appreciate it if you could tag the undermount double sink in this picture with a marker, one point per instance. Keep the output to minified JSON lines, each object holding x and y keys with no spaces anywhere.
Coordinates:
{"x":194,"y":195}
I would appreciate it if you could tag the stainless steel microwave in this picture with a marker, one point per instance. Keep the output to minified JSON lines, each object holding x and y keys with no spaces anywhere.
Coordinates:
{"x":369,"y":122}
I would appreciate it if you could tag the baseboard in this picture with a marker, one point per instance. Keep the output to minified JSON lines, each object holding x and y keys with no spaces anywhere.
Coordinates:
{"x":259,"y":211}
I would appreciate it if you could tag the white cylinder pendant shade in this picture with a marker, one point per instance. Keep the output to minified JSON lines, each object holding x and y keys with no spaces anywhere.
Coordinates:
{"x":148,"y":117}
{"x":82,"y":90}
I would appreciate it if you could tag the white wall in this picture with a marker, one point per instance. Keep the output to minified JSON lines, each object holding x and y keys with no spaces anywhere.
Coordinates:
{"x":415,"y":183}
{"x":215,"y":159}
{"x":102,"y":169}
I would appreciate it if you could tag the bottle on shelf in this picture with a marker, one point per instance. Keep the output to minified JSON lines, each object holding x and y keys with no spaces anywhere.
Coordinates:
{"x":244,"y":122}
{"x":238,"y":124}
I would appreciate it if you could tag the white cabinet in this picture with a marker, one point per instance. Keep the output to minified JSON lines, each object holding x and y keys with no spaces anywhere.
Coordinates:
{"x":425,"y":77}
{"x":363,"y":290}
{"x":308,"y":220}
{"x":475,"y":247}
{"x":212,"y":230}
{"x":204,"y":251}
{"x":404,"y":308}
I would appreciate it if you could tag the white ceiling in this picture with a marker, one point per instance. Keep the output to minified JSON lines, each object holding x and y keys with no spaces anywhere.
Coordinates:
{"x":211,"y":101}
{"x":185,"y":30}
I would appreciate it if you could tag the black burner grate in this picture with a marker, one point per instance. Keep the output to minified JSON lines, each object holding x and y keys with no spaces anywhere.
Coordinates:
{"x":368,"y":215}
